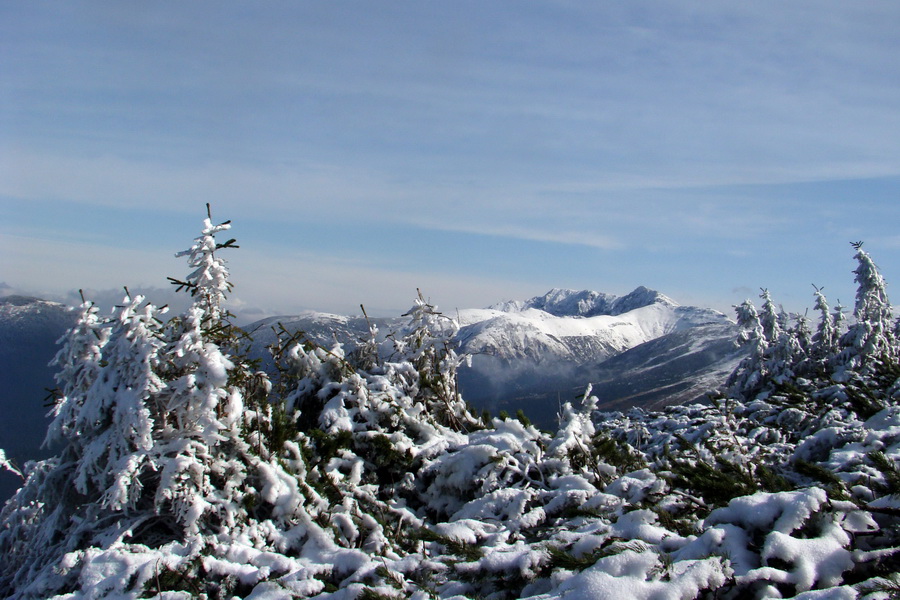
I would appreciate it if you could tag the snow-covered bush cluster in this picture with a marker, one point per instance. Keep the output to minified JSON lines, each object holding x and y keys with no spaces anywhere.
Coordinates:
{"x":185,"y":472}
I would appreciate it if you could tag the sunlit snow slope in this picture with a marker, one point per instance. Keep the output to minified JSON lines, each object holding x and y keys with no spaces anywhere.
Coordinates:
{"x":639,"y":349}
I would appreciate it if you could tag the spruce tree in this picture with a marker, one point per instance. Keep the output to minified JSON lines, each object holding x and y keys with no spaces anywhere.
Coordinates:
{"x":870,"y":339}
{"x":825,"y":338}
{"x":748,"y":377}
{"x":428,"y":343}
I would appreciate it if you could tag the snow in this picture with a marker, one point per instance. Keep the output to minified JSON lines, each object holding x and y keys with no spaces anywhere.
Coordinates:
{"x":816,"y":561}
{"x":519,"y":330}
{"x":625,"y":576}
{"x":782,"y":512}
{"x":185,"y":472}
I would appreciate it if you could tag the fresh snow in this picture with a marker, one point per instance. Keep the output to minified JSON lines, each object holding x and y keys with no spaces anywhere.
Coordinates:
{"x":185,"y":472}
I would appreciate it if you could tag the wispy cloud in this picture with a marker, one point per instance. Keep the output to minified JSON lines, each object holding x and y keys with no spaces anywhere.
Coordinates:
{"x":644,"y":130}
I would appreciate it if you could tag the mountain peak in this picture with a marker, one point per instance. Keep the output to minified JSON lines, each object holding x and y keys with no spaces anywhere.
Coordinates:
{"x":640,"y":297}
{"x":563,"y":302}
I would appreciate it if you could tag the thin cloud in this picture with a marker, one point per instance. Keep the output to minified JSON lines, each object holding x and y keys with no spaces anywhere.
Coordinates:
{"x":614,"y":129}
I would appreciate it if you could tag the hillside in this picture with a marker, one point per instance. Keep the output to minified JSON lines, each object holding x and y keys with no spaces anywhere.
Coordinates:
{"x":29,"y":330}
{"x":528,"y":355}
{"x":533,"y":353}
{"x":184,"y":472}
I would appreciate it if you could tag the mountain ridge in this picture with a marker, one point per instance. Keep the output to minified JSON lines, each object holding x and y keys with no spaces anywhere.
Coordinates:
{"x":528,"y":353}
{"x":586,"y":303}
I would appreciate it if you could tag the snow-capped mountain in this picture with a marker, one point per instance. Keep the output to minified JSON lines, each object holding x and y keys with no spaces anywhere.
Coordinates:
{"x":575,"y":326}
{"x":675,"y":368}
{"x":29,"y":328}
{"x":638,"y":349}
{"x":585,"y":303}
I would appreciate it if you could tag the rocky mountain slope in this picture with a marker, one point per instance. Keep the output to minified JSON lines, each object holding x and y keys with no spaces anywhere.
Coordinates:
{"x":641,"y":349}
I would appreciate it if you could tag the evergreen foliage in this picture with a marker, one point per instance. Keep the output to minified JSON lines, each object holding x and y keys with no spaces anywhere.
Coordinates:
{"x":186,"y":472}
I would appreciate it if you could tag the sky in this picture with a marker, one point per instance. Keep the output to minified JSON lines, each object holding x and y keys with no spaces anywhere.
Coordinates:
{"x":480,"y":151}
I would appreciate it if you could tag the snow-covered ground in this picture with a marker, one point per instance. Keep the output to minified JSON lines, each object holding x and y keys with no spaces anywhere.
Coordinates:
{"x":183,"y":472}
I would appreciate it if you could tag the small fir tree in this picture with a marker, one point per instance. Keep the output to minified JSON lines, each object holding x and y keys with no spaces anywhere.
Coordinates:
{"x":870,"y":339}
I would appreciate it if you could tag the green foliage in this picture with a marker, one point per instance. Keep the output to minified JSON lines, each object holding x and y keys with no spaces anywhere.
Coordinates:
{"x":389,"y":463}
{"x":523,"y":418}
{"x":617,"y":453}
{"x":560,"y":558}
{"x":169,"y":580}
{"x":464,"y":550}
{"x":370,"y":594}
{"x":888,"y":469}
{"x":329,"y":445}
{"x":819,"y":473}
{"x":715,"y":484}
{"x":889,"y":585}
{"x":863,"y":401}
{"x":393,"y":579}
{"x":194,"y":579}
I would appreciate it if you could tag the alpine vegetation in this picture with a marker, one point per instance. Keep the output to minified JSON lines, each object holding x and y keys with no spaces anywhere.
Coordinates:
{"x":186,"y":471}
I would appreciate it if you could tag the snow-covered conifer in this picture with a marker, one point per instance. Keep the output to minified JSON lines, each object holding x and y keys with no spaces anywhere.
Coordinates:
{"x":427,"y":342}
{"x":113,"y":430}
{"x":208,"y":282}
{"x":78,"y":363}
{"x":103,"y":428}
{"x":770,"y":318}
{"x":750,"y":373}
{"x":826,"y":337}
{"x":870,"y":339}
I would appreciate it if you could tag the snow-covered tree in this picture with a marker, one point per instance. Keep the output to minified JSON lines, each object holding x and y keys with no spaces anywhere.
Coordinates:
{"x":870,"y":339}
{"x":746,"y":380}
{"x":825,"y":340}
{"x":428,"y":344}
{"x":208,"y":283}
{"x":78,"y":364}
{"x":366,"y":477}
{"x":113,"y":431}
{"x":770,"y":318}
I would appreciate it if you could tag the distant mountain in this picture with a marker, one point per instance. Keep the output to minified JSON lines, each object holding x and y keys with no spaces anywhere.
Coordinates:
{"x":585,"y":303}
{"x":641,"y":349}
{"x":29,"y":329}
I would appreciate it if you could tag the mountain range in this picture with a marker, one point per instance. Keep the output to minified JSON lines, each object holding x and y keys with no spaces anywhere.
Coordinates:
{"x":640,"y":349}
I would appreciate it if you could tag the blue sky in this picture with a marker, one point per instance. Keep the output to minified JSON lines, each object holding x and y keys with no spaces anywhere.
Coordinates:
{"x":482,"y":151}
